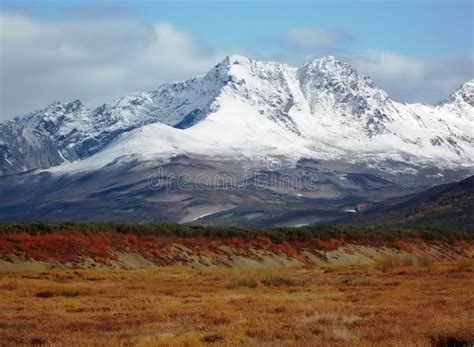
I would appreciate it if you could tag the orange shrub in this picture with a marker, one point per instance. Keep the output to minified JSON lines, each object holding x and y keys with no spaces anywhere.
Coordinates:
{"x":327,"y":245}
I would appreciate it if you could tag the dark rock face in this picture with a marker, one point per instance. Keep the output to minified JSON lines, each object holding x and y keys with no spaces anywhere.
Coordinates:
{"x":190,"y":119}
{"x":60,"y":132}
{"x":19,"y":153}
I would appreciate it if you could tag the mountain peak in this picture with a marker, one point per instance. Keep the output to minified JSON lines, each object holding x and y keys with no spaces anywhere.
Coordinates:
{"x":221,"y":71}
{"x":54,"y":104}
{"x":237,"y":59}
{"x":231,"y":60}
{"x":57,"y":106}
{"x":464,"y":94}
{"x":74,"y":105}
{"x":340,"y":79}
{"x":329,"y":64}
{"x":243,"y":102}
{"x":333,"y":71}
{"x":467,"y":85}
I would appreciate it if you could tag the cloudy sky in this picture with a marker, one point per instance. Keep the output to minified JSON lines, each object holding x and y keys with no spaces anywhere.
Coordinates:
{"x":418,"y":51}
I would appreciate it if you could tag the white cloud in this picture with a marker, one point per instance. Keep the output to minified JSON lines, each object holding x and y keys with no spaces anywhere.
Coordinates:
{"x":389,"y":65}
{"x":97,"y":60}
{"x":94,"y":60}
{"x":312,"y":39}
{"x":405,"y":78}
{"x":414,"y":79}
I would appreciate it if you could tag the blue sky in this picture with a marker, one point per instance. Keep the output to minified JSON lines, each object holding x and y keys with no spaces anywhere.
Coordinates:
{"x":411,"y":27}
{"x":425,"y":45}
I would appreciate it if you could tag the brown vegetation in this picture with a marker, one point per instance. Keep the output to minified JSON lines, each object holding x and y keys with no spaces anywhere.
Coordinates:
{"x":249,"y":287}
{"x":74,"y":247}
{"x":404,"y":305}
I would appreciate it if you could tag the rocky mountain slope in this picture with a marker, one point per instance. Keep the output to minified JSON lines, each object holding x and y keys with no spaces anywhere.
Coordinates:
{"x":293,"y":146}
{"x":247,"y":109}
{"x":200,"y":190}
{"x":444,"y":206}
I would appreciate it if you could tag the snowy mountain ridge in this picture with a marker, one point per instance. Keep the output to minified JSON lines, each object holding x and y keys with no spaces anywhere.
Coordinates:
{"x":243,"y":107}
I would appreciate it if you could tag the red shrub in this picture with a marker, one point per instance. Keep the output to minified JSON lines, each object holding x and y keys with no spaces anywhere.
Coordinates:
{"x":287,"y":248}
{"x":128,"y":240}
{"x":236,"y":242}
{"x":327,"y":245}
{"x":60,"y":246}
{"x":401,"y":246}
{"x":464,"y":245}
{"x":262,"y":242}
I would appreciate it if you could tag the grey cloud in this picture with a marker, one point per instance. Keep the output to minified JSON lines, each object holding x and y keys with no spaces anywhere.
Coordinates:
{"x":414,"y":79}
{"x":405,"y":78}
{"x":99,"y":60}
{"x":311,"y":39}
{"x":95,"y":61}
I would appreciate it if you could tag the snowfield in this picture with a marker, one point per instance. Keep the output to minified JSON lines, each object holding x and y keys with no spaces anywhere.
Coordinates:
{"x":250,"y":109}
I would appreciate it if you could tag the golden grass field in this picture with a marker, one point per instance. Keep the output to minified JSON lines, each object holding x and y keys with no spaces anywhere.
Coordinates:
{"x":388,"y":304}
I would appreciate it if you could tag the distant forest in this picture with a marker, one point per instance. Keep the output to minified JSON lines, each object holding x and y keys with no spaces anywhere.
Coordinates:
{"x":276,"y":234}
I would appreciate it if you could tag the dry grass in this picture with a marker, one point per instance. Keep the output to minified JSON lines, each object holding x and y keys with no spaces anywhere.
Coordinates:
{"x":243,"y":283}
{"x":465,"y":264}
{"x":281,"y":281}
{"x":346,"y":306}
{"x":390,"y":263}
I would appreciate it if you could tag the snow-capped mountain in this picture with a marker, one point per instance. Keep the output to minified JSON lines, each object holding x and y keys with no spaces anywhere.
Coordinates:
{"x":242,"y":107}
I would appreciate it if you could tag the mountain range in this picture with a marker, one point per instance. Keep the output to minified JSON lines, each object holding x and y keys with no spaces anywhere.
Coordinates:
{"x":243,"y":118}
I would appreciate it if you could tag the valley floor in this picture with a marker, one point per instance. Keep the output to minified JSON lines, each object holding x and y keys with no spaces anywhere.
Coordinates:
{"x":384,"y":304}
